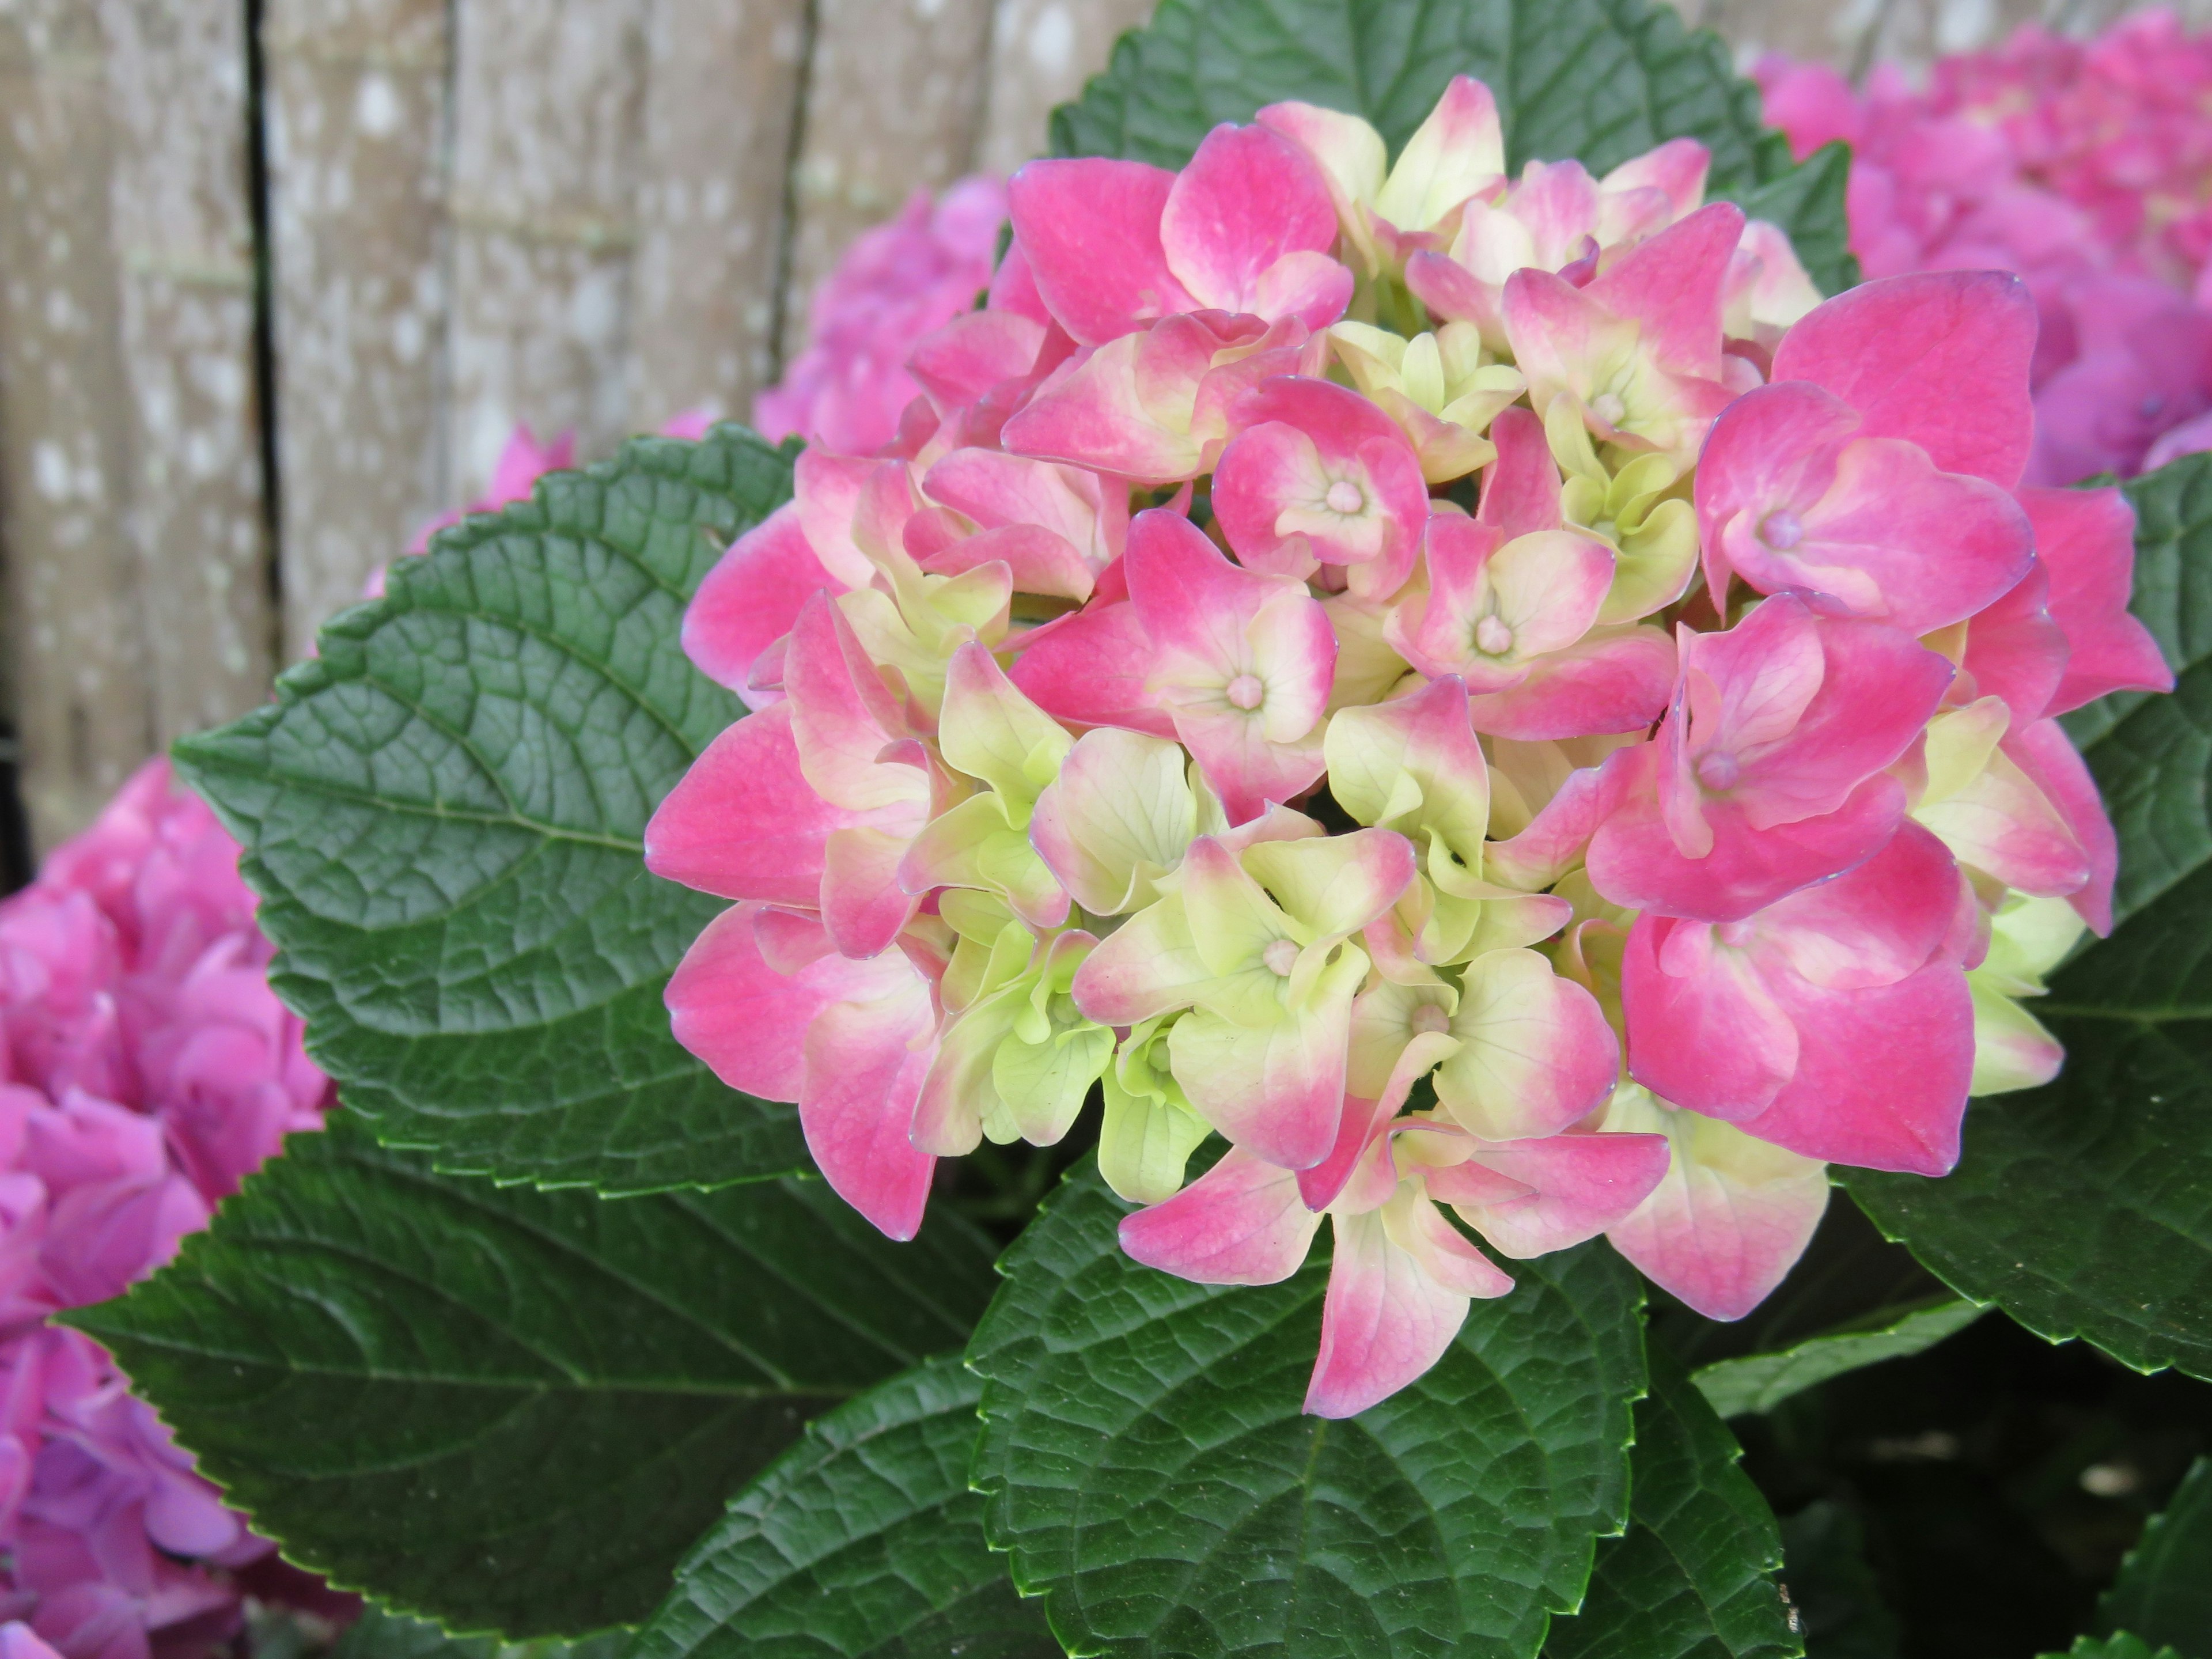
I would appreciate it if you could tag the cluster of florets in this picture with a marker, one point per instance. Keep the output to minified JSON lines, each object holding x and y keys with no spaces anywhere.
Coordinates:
{"x":1483,"y":693}
{"x":2084,"y":166}
{"x":145,"y":1069}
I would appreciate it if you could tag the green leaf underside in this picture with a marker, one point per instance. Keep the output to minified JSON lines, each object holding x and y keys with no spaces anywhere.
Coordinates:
{"x":510,"y":1410}
{"x":1147,"y":1464}
{"x":1693,"y":1577}
{"x":1598,"y":80}
{"x":1761,"y":1381}
{"x":442,"y":814}
{"x":862,"y":1542}
{"x":378,"y":1634}
{"x":2084,"y":1208}
{"x":2164,"y":1592}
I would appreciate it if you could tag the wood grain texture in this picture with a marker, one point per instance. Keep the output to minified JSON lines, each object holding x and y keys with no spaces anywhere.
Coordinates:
{"x":894,"y":104}
{"x":357,"y":112}
{"x":1042,"y":52}
{"x":76,"y":650}
{"x":183,"y":240}
{"x":722,"y":96}
{"x":548,"y":98}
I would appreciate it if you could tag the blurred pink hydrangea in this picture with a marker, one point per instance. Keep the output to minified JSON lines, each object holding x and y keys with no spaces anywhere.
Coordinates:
{"x":895,"y":285}
{"x":145,"y":1069}
{"x":2084,"y":166}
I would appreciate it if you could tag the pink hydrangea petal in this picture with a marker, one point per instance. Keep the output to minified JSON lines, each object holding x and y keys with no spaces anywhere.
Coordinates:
{"x":1090,"y":230}
{"x":863,"y":1065}
{"x":1707,"y":1035}
{"x":2047,"y":755}
{"x":1729,"y":1219}
{"x":1881,"y":1072}
{"x":1088,"y":669}
{"x":2015,"y":648}
{"x":1613,"y":679}
{"x":1575,"y":1187}
{"x":1386,"y":1319}
{"x":1939,"y":359}
{"x":750,"y":598}
{"x":1241,"y":1223}
{"x":1249,"y":197}
{"x":2085,"y":539}
{"x":1520,"y":489}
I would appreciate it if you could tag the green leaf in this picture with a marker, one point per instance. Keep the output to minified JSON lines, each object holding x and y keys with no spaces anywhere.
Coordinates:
{"x":2164,"y":1592}
{"x":442,"y":815}
{"x":1694,"y":1577}
{"x":1837,"y":1597}
{"x":378,"y":1634}
{"x":2122,"y":1646}
{"x":862,"y":1542}
{"x":1598,"y":80}
{"x":510,"y":1410}
{"x":2084,"y":1208}
{"x":1761,"y":1381}
{"x":1147,"y":1465}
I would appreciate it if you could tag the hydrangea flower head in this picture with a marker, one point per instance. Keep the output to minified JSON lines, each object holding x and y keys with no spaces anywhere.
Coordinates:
{"x":1483,"y":693}
{"x":148,"y":1069}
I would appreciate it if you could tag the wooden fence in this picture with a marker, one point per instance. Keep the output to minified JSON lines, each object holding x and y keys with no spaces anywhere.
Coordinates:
{"x":277,"y":276}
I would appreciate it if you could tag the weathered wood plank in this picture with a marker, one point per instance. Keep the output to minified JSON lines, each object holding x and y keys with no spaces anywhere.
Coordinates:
{"x":184,"y":242}
{"x":82,"y":702}
{"x":1042,"y":52}
{"x":548,"y":118}
{"x":894,"y":102}
{"x":723,"y":80}
{"x":357,"y":126}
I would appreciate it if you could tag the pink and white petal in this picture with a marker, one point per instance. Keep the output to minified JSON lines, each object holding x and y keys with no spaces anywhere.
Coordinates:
{"x":1110,"y":409}
{"x":842,"y":716}
{"x":1729,"y":1219}
{"x":1247,"y":197}
{"x":1090,"y":230}
{"x":1575,"y":1186}
{"x":1457,"y":150}
{"x":2047,"y":755}
{"x":1554,"y":841}
{"x":1676,"y":169}
{"x":2015,"y":648}
{"x":1672,"y":285}
{"x":1276,"y":1091}
{"x":749,"y":986}
{"x":863,"y":906}
{"x":2001,"y":824}
{"x":1148,"y":966}
{"x":959,"y":363}
{"x":1248,"y":773}
{"x":1335,"y":885}
{"x":1349,"y":152}
{"x":750,"y":598}
{"x":1882,"y":1073}
{"x":2085,"y":538}
{"x":1040,"y":560}
{"x":1872,"y":926}
{"x":1363,"y":1121}
{"x":743,"y":822}
{"x":1521,"y":491}
{"x":1633,"y":861}
{"x":1535,"y":1052}
{"x":864,"y":1070}
{"x":1937,"y":358}
{"x":1612,"y":680}
{"x":1384,"y":1321}
{"x":1703,"y":1030}
{"x":1241,"y":1223}
{"x":1088,"y":668}
{"x":1266,"y":469}
{"x":1310,"y":287}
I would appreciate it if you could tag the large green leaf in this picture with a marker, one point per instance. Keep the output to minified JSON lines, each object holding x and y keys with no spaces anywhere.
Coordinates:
{"x":1694,"y":1577}
{"x":863,"y":1541}
{"x":2164,"y":1592}
{"x":2085,"y":1208}
{"x":442,"y":814}
{"x":512,"y":1410}
{"x":1148,"y":1467}
{"x":1598,"y":80}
